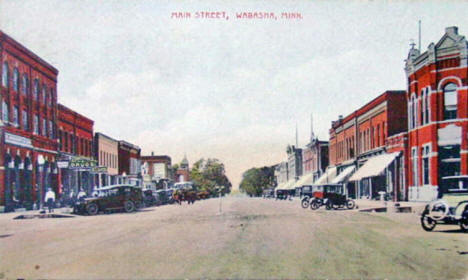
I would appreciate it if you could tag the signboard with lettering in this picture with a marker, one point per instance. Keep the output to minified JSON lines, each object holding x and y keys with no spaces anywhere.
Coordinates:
{"x":78,"y":162}
{"x":17,"y":140}
{"x":99,"y":169}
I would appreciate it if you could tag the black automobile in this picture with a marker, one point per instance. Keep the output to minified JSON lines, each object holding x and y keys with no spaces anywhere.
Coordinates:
{"x":451,"y":207}
{"x":333,"y":196}
{"x":116,"y":197}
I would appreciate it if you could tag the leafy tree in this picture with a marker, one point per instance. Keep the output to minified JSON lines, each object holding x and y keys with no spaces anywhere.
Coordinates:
{"x":209,"y":175}
{"x":255,"y":180}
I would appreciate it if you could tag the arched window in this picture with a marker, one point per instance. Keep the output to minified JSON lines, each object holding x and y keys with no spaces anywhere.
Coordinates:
{"x":25,"y":84}
{"x":410,"y":113}
{"x":428,"y":104}
{"x":36,"y":89}
{"x":423,"y":107}
{"x":450,"y":101}
{"x":16,"y":79}
{"x":5,"y":74}
{"x":414,"y":116}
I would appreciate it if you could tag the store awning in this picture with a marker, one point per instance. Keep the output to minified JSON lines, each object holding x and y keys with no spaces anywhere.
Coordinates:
{"x":341,"y":178}
{"x":374,"y":166}
{"x":326,"y":177}
{"x":305,"y":180}
{"x":286,"y":186}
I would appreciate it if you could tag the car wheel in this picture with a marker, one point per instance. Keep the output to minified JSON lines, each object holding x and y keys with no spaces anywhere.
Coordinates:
{"x":329,"y":205}
{"x":427,"y":223}
{"x":314,"y":205}
{"x":305,"y":202}
{"x":350,"y":204}
{"x":92,"y":209}
{"x":129,"y":206}
{"x":464,"y":224}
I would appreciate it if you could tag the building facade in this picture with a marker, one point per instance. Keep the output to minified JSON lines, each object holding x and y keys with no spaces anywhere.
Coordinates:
{"x":281,"y":173}
{"x":437,"y":114}
{"x":157,"y":166}
{"x":294,"y":162}
{"x":315,"y":158}
{"x":75,"y":159}
{"x":106,"y":152}
{"x":129,"y":160}
{"x":362,"y":135}
{"x":28,"y":111}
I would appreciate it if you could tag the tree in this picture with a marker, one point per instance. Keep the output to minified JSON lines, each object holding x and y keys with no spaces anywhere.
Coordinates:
{"x":209,"y":175}
{"x":255,"y":180}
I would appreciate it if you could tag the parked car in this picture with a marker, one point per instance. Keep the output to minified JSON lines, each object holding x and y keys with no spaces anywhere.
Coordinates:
{"x":115,"y":197}
{"x":451,"y":207}
{"x":333,"y":196}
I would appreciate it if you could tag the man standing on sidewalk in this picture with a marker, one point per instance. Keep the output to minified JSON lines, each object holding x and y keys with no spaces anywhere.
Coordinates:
{"x":50,"y":199}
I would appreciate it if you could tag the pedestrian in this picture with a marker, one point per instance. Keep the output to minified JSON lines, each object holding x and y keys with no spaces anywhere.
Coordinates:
{"x":50,"y":199}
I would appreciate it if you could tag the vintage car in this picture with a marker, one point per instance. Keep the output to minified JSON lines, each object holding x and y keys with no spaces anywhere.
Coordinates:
{"x":333,"y":196}
{"x":451,"y":207}
{"x":305,"y":195}
{"x":115,"y":197}
{"x":268,"y":193}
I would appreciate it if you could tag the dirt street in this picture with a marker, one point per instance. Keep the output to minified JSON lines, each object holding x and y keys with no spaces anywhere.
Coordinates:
{"x":250,"y":238}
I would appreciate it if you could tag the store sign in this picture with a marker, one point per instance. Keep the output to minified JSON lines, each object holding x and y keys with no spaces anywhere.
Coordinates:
{"x":62,"y":164}
{"x":77,"y":163}
{"x":99,"y":169}
{"x":18,"y":140}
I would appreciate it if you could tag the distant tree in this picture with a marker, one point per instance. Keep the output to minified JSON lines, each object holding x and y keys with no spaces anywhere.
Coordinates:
{"x":210,"y":175}
{"x":255,"y":180}
{"x":173,"y":170}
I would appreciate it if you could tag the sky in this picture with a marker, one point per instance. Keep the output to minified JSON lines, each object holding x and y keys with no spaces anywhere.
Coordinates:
{"x":228,"y":89}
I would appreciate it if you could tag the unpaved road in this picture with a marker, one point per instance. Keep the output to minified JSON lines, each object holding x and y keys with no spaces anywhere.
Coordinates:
{"x":250,"y":238}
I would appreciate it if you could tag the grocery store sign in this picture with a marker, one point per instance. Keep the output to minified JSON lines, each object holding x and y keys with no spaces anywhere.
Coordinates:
{"x":17,"y":140}
{"x":80,"y":163}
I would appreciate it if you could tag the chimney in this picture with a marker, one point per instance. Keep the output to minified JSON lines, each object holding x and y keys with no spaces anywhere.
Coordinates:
{"x":152,"y":153}
{"x":340,"y":118}
{"x":453,"y":30}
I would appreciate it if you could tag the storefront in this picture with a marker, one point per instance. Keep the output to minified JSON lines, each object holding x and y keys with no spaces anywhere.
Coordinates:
{"x":77,"y":174}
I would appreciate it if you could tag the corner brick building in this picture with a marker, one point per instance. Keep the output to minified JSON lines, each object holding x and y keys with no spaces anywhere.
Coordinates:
{"x":28,"y":111}
{"x":437,"y":114}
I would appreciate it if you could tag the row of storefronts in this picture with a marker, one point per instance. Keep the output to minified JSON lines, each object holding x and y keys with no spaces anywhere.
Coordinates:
{"x":405,"y":145}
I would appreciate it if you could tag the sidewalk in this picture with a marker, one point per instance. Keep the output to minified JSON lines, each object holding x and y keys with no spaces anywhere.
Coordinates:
{"x":412,"y":206}
{"x":11,"y":215}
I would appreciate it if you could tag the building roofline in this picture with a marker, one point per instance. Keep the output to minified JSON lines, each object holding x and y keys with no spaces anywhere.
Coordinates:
{"x":28,"y":52}
{"x":105,"y":136}
{"x":63,"y":107}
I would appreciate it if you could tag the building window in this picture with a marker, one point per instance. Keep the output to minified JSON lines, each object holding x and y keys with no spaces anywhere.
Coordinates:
{"x":5,"y":111}
{"x":24,"y":84}
{"x":65,"y":142}
{"x":44,"y":127}
{"x":36,"y":124}
{"x":15,"y":115}
{"x":36,"y":89}
{"x":51,"y":96}
{"x":24,"y":116}
{"x":414,"y":158}
{"x":51,"y":130}
{"x":5,"y":74}
{"x":449,"y":160}
{"x":426,"y":153}
{"x":450,"y":101}
{"x":44,"y":94}
{"x":15,"y":79}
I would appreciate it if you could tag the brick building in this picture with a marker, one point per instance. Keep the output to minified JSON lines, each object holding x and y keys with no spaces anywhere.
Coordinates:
{"x":156,"y":169}
{"x":28,"y":112}
{"x":437,"y":114}
{"x":75,"y":135}
{"x":129,"y":160}
{"x":314,"y":159}
{"x":361,"y":136}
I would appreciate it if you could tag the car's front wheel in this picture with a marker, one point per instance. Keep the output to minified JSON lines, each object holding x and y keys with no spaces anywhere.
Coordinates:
{"x":427,"y":223}
{"x":129,"y":206}
{"x":305,"y":202}
{"x":464,"y":224}
{"x":350,"y":204}
{"x":92,"y":209}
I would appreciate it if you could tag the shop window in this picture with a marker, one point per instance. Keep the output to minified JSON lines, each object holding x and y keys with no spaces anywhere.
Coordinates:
{"x":24,"y":84}
{"x":449,"y":160}
{"x":426,"y":153}
{"x":450,"y":101}
{"x":5,"y":74}
{"x":15,"y":79}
